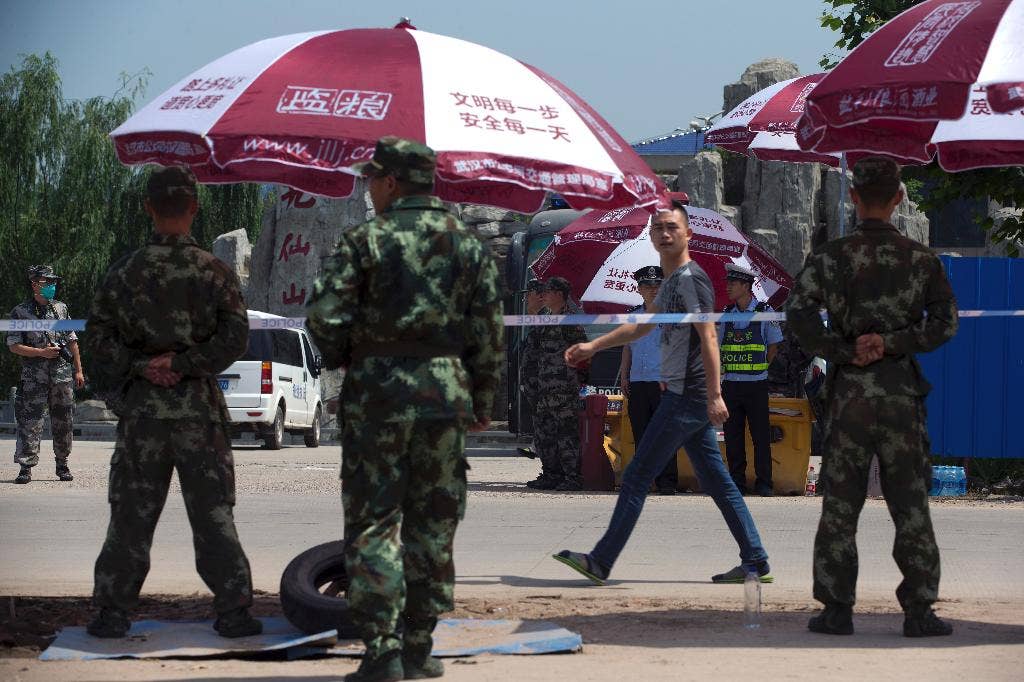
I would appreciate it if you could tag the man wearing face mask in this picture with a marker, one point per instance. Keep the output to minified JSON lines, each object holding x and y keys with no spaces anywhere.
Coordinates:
{"x":50,"y":363}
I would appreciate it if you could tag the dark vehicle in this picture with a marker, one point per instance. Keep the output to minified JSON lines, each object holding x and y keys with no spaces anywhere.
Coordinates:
{"x":526,"y":248}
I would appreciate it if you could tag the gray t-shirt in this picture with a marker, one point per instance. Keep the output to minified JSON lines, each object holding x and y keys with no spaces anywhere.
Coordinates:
{"x":687,"y":290}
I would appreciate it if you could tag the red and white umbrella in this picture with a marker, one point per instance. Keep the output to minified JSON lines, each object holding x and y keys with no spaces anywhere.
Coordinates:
{"x":599,"y":252}
{"x":931,"y":63}
{"x":763,"y":125}
{"x":302,"y":109}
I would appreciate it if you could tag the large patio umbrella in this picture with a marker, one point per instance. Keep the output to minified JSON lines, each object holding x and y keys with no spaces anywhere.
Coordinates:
{"x":599,"y":252}
{"x":937,"y":61}
{"x":303,"y":109}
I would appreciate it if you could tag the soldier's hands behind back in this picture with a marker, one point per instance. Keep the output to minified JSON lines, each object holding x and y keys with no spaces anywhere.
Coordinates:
{"x":159,"y":372}
{"x":869,"y":348}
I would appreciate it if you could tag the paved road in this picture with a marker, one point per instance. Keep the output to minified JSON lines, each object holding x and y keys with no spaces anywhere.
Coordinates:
{"x":288,"y":501}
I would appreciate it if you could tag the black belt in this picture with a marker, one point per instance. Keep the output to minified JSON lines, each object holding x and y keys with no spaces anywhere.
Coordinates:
{"x":399,"y":349}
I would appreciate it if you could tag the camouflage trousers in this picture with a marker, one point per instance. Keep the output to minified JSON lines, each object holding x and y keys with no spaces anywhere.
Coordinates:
{"x":556,"y":435}
{"x":146,"y":454}
{"x":403,"y":492}
{"x":30,"y":405}
{"x":894,"y":428}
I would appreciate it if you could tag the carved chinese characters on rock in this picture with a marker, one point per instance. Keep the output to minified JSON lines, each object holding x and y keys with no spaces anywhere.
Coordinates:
{"x":293,"y":198}
{"x":293,"y":297}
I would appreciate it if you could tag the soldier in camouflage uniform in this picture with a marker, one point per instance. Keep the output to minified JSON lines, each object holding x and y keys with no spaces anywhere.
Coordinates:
{"x":167,"y":319}
{"x":556,"y":388}
{"x":409,"y":304}
{"x":533,"y":304}
{"x":46,"y":376}
{"x":888,"y":298}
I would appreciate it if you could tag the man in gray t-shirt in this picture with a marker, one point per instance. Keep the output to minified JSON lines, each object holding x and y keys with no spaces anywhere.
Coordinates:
{"x":690,"y":404}
{"x":687,"y":290}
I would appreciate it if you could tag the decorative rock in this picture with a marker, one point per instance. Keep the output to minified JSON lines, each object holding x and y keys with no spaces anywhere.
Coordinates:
{"x":758,"y":76}
{"x":733,"y":214}
{"x":234,"y":249}
{"x":93,"y":411}
{"x":700,"y":177}
{"x":782,"y":198}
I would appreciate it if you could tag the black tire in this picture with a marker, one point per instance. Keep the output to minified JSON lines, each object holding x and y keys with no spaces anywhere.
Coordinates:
{"x":312,"y":437}
{"x":274,"y":439}
{"x":303,"y":603}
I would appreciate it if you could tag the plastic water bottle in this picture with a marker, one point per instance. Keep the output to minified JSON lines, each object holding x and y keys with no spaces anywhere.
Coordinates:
{"x":812,"y":483}
{"x":752,"y":600}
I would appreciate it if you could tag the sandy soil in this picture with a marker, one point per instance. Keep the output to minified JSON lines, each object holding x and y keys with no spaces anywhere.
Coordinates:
{"x":653,"y":639}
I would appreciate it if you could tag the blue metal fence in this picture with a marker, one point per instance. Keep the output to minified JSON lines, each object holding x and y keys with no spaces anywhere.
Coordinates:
{"x":976,"y":407}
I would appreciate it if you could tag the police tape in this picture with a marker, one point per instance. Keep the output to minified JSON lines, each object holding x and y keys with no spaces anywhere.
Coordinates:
{"x":8,"y":325}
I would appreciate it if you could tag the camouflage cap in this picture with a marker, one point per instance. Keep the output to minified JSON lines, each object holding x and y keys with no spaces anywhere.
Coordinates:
{"x":41,"y":272}
{"x":876,"y":170}
{"x":166,"y":181}
{"x":559,"y":284}
{"x":534,"y":285}
{"x":405,"y":159}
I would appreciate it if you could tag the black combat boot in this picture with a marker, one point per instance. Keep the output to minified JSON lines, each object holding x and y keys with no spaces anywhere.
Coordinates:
{"x":109,"y":623}
{"x":382,"y":662}
{"x":237,"y":623}
{"x":417,"y":643}
{"x":835,"y":619}
{"x":25,"y":475}
{"x":63,"y":472}
{"x":925,"y":624}
{"x":544,"y":482}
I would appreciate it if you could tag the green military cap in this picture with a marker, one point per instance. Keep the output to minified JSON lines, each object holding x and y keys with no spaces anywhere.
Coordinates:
{"x":41,"y":272}
{"x":559,"y":284}
{"x":167,"y":181}
{"x":534,"y":285}
{"x":876,"y":171}
{"x":405,"y":159}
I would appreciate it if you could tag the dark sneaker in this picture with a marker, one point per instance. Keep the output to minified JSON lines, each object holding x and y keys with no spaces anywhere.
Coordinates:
{"x":384,"y":668}
{"x":527,"y":452}
{"x":109,"y":624}
{"x":928,"y":625}
{"x":543,"y":482}
{"x":766,"y":492}
{"x":833,"y":620}
{"x":569,"y":485}
{"x":237,"y":623}
{"x":24,"y":476}
{"x":666,"y":491}
{"x":739,"y":573}
{"x":582,"y":563}
{"x":63,"y":473}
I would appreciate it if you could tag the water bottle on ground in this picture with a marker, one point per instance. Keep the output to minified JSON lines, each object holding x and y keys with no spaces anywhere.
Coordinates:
{"x":752,"y":600}
{"x":812,"y":483}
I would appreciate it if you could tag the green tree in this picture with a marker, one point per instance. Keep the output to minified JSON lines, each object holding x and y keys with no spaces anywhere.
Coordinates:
{"x":854,"y":20}
{"x":67,"y":201}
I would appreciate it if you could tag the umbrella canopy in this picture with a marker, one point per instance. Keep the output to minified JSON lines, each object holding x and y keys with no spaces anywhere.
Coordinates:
{"x":763,"y":125}
{"x":599,"y":252}
{"x":933,"y":62}
{"x":303,"y":109}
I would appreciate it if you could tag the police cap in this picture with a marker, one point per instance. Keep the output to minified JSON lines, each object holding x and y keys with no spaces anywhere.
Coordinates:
{"x":739,"y":273}
{"x":651,"y":274}
{"x":405,"y":159}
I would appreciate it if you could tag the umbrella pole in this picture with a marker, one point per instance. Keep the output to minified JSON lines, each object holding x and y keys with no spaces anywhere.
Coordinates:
{"x":842,"y":194}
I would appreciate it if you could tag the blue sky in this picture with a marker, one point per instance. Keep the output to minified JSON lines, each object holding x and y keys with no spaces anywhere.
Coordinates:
{"x":648,"y":66}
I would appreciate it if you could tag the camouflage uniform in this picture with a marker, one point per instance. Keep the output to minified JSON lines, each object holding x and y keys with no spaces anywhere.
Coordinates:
{"x":554,"y":389}
{"x":409,"y":303}
{"x":874,"y":281}
{"x":170,"y":295}
{"x":43,"y":383}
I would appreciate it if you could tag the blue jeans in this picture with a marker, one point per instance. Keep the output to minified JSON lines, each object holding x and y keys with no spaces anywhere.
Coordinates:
{"x":679,"y":421}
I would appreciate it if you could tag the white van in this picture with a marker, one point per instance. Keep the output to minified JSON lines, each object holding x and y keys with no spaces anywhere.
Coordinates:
{"x":275,"y":387}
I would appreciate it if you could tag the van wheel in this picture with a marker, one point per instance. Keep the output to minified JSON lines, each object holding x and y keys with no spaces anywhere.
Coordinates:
{"x":275,"y":439}
{"x":312,"y":437}
{"x":313,"y":591}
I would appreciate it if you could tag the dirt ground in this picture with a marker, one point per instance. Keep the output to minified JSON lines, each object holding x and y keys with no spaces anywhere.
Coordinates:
{"x":647,"y":638}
